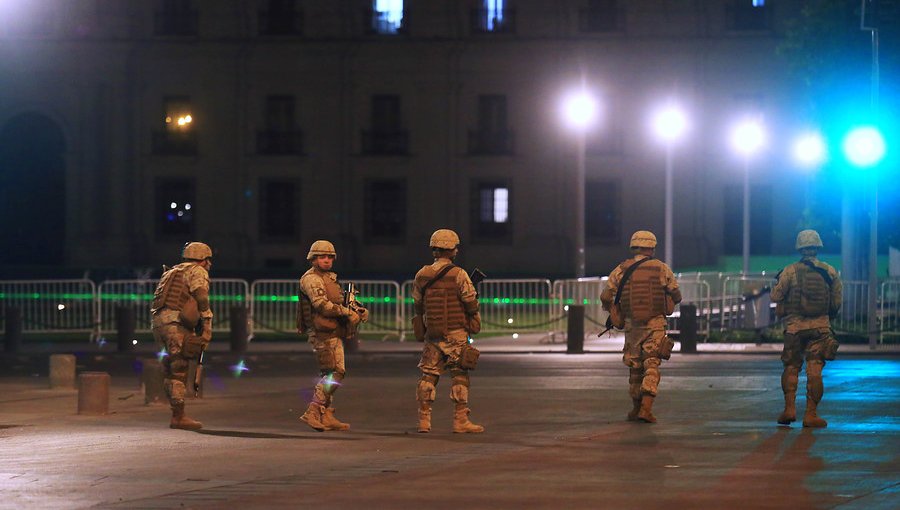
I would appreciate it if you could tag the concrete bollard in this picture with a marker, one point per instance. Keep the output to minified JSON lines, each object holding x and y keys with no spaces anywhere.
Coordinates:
{"x":93,"y":393}
{"x":687,"y":326}
{"x":12,"y":330}
{"x":152,"y":382}
{"x":62,"y":371}
{"x":239,"y":330}
{"x":126,"y":323}
{"x":575,"y":330}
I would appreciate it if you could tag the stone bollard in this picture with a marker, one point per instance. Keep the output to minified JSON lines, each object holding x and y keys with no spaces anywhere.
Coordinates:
{"x":62,"y":371}
{"x":575,"y":330}
{"x":687,"y":326}
{"x":12,"y":337}
{"x":152,"y":382}
{"x":239,"y":331}
{"x":93,"y":393}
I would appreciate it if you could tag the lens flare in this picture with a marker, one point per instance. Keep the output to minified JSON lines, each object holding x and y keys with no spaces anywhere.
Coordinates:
{"x":161,"y":354}
{"x":238,"y":369}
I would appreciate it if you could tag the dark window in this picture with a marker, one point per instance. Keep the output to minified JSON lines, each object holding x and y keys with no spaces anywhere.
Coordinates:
{"x":279,"y":210}
{"x":760,"y":219}
{"x":175,"y":17}
{"x":748,"y":15}
{"x":281,"y":17}
{"x":386,"y":211}
{"x":175,"y":207}
{"x":491,"y":220}
{"x":281,"y":135}
{"x":602,"y":211}
{"x":493,"y":17}
{"x":386,"y":136}
{"x":492,"y":135}
{"x":386,"y":17}
{"x":600,"y":16}
{"x":178,"y":136}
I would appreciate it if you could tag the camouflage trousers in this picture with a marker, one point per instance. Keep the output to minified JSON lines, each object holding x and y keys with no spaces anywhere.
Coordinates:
{"x":439,"y":356}
{"x":641,"y":356}
{"x":807,"y":344}
{"x":329,"y":353}
{"x":174,"y":365}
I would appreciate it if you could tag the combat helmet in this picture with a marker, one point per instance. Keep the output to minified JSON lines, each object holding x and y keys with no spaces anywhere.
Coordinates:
{"x":444,"y":239}
{"x":808,"y":239}
{"x":196,"y":251}
{"x":643,"y":239}
{"x":321,"y":247}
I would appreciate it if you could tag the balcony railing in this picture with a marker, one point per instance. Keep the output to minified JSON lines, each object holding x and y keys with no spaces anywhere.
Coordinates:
{"x":385,"y":143}
{"x":484,"y":21}
{"x":280,"y":23}
{"x":601,"y":20}
{"x":174,"y":143}
{"x":490,"y":142}
{"x":279,"y":142}
{"x":180,"y":23}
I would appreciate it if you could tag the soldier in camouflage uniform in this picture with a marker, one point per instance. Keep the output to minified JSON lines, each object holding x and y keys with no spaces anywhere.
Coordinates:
{"x":446,"y":314}
{"x":179,"y":311}
{"x":322,"y":315}
{"x":649,"y":294}
{"x":807,"y":294}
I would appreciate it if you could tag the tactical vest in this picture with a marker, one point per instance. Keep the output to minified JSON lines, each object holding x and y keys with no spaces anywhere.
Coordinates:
{"x":321,"y":324}
{"x":444,"y":311}
{"x":173,"y":291}
{"x":643,"y":296}
{"x":304,"y":313}
{"x":812,"y":295}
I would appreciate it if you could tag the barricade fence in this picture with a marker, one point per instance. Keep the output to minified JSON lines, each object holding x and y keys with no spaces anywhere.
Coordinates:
{"x":508,"y":306}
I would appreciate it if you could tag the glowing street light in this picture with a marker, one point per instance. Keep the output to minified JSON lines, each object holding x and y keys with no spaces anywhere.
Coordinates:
{"x":810,"y":150}
{"x":864,"y":148}
{"x":747,"y":138}
{"x":580,"y":111}
{"x":670,"y":124}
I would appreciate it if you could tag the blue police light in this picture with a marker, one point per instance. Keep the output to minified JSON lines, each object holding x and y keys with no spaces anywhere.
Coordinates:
{"x":864,"y":146}
{"x":810,"y":150}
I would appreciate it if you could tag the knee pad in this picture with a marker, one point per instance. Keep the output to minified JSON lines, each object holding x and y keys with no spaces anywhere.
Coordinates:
{"x":459,"y":391}
{"x":425,"y":391}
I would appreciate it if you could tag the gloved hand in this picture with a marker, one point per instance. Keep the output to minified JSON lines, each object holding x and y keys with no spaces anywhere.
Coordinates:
{"x":363,"y":314}
{"x":353,"y":318}
{"x":206,"y":333}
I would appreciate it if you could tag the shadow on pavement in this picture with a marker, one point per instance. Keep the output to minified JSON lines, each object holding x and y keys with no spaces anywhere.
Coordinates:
{"x":269,"y":435}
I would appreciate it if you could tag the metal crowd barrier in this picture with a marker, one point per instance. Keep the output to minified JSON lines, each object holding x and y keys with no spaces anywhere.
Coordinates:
{"x":580,"y":291}
{"x":224,"y":293}
{"x":745,"y":304}
{"x":516,"y":306}
{"x":854,"y":316}
{"x":890,"y":310}
{"x":51,"y":306}
{"x":274,"y":305}
{"x":694,"y":292}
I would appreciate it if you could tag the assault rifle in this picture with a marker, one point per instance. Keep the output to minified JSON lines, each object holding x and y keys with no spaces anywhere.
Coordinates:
{"x":351,"y":302}
{"x":477,"y":277}
{"x":198,"y":374}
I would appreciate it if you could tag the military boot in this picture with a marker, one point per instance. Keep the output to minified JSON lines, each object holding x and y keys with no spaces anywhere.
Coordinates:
{"x":645,"y":414}
{"x":633,"y":414}
{"x":424,"y":417}
{"x":461,"y":423}
{"x":789,"y":414}
{"x":330,"y":422}
{"x":180,"y":421}
{"x":810,"y":418}
{"x":313,"y":416}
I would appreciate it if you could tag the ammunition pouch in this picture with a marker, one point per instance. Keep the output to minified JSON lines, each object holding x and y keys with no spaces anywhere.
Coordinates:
{"x":665,"y":348}
{"x":192,"y":347}
{"x":189,"y":316}
{"x":468,"y":358}
{"x":473,"y":323}
{"x":670,"y":305}
{"x":616,"y":318}
{"x":327,"y":361}
{"x":829,"y":353}
{"x":324,"y":325}
{"x":418,"y":325}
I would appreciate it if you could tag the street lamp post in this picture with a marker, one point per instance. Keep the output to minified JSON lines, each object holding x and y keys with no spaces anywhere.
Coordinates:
{"x":670,"y":123}
{"x":747,"y":138}
{"x":579,"y":110}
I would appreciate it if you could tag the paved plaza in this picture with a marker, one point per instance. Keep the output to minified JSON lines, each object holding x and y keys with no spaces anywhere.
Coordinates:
{"x":556,"y":436}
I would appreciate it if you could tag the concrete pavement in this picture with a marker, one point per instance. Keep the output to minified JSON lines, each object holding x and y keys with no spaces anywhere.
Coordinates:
{"x":556,"y":438}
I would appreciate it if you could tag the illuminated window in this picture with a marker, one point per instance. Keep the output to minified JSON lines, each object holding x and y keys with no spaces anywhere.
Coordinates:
{"x":385,"y":211}
{"x":387,"y":16}
{"x":491,"y":220}
{"x":493,"y":16}
{"x":178,"y":136}
{"x":759,"y":3}
{"x":175,"y":207}
{"x":178,"y":113}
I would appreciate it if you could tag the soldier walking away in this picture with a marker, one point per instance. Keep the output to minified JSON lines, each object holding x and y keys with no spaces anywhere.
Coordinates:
{"x":640,"y":292}
{"x":324,"y":318}
{"x":807,"y":294}
{"x":182,"y":323}
{"x":446,"y":315}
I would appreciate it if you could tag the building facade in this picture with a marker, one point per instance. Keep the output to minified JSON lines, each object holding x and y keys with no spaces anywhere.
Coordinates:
{"x":128,"y":128}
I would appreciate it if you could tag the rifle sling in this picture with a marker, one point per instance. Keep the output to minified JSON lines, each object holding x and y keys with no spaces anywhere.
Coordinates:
{"x":626,"y":276}
{"x":437,"y":277}
{"x":819,"y":270}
